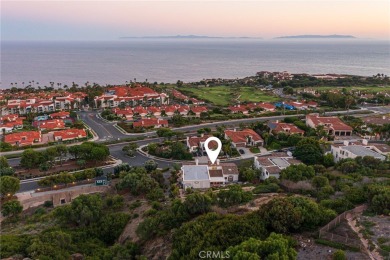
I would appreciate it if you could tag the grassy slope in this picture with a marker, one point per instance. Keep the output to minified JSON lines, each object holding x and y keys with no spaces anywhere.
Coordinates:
{"x":226,"y":95}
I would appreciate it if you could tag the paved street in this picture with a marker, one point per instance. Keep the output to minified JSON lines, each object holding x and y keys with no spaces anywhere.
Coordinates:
{"x":107,"y":131}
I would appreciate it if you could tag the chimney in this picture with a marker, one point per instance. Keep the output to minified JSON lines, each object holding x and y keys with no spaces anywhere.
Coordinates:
{"x":277,"y":121}
{"x":346,"y":142}
{"x":365,"y":142}
{"x":235,"y":129}
{"x":202,"y":134}
{"x":217,"y":161}
{"x":196,"y":161}
{"x":383,"y":117}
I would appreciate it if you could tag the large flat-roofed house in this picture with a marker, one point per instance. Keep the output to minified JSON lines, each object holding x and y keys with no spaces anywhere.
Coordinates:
{"x":196,"y":176}
{"x":355,"y":149}
{"x":271,"y":165}
{"x":333,"y":125}
{"x":202,"y":176}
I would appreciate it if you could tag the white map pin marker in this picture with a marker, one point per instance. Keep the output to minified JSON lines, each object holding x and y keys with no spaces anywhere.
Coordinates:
{"x":213,"y":155}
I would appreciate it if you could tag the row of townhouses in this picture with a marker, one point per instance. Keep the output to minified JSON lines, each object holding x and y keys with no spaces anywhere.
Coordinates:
{"x":37,"y":105}
{"x":122,"y":96}
{"x":159,"y":111}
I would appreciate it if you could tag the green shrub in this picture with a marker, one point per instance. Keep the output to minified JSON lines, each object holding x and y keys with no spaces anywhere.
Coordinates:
{"x":267,"y":188}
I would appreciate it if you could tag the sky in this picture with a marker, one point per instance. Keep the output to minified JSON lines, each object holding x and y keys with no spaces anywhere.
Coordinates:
{"x":109,"y":20}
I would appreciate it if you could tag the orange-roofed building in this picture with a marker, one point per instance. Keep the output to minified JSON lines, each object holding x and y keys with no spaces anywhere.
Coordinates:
{"x":126,"y":113}
{"x":69,"y":134}
{"x":277,"y":127}
{"x":140,"y":111}
{"x":23,"y":138}
{"x":151,"y":123}
{"x":198,"y":110}
{"x":246,"y":137}
{"x":238,"y":109}
{"x":60,"y":115}
{"x":51,"y":124}
{"x":333,"y":125}
{"x":196,"y":143}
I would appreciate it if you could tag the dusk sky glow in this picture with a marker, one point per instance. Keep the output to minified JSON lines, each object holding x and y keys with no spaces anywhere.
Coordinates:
{"x":109,"y":20}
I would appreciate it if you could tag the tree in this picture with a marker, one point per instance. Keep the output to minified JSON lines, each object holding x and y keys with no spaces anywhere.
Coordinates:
{"x":84,"y":210}
{"x":81,"y":163}
{"x":309,"y":151}
{"x":294,"y":214}
{"x":179,"y":151}
{"x":233,"y":195}
{"x":11,"y":208}
{"x":7,"y":171}
{"x":320,"y":181}
{"x":62,"y":151}
{"x":348,"y":166}
{"x":99,"y":154}
{"x":150,"y":165}
{"x":3,"y":162}
{"x":75,"y":151}
{"x":66,"y":178}
{"x":298,"y":172}
{"x":339,"y":255}
{"x":9,"y":185}
{"x":381,"y":203}
{"x":123,"y":167}
{"x":50,"y":154}
{"x":44,"y":167}
{"x":30,"y":158}
{"x":328,"y":160}
{"x":165,"y":132}
{"x":197,"y":203}
{"x":276,"y":246}
{"x":249,"y":174}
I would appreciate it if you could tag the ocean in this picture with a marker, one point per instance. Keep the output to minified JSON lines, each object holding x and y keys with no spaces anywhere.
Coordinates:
{"x":169,"y":60}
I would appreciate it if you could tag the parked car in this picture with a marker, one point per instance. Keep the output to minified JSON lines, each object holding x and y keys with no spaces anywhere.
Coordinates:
{"x":241,"y":151}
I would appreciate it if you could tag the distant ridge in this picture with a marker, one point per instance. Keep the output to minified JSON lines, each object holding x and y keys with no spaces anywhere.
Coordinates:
{"x":186,"y":37}
{"x":314,"y":36}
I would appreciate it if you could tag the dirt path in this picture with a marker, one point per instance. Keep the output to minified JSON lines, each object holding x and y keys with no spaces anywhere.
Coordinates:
{"x":128,"y":232}
{"x":374,"y":255}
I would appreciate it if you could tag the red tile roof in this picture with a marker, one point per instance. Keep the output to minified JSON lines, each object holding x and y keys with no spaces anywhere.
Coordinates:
{"x":140,"y":110}
{"x":198,"y":109}
{"x":241,"y":136}
{"x":23,"y":138}
{"x":195,"y":140}
{"x":287,"y":128}
{"x":61,"y":114}
{"x":69,"y":134}
{"x":238,"y":109}
{"x":51,"y":124}
{"x":331,"y":122}
{"x":149,"y":122}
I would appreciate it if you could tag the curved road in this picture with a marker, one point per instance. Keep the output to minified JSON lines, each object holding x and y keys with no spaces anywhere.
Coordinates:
{"x":106,"y":132}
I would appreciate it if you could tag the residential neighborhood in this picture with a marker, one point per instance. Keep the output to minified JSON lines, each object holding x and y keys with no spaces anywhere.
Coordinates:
{"x":64,"y":145}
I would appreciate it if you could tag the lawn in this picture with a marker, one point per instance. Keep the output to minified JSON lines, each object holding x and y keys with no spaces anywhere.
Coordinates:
{"x":254,"y":149}
{"x":228,"y":95}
